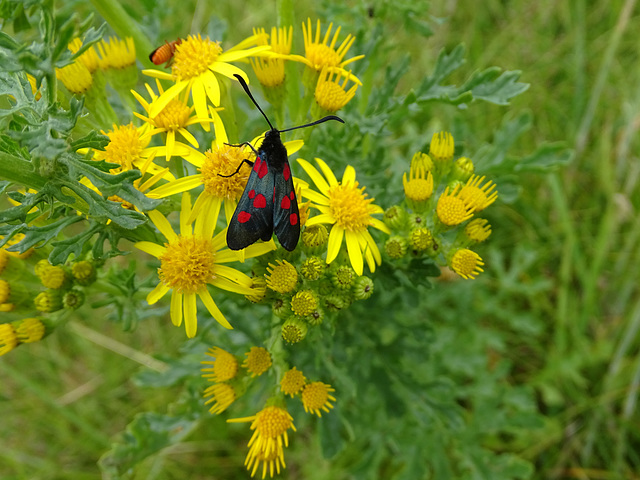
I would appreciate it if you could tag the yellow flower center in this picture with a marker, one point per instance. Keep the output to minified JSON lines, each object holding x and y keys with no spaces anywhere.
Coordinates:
{"x":30,"y":330}
{"x":418,"y":189}
{"x":315,"y":236}
{"x":316,"y":397}
{"x":272,"y":422}
{"x":222,"y":395}
{"x":282,"y":278}
{"x":453,"y":210}
{"x":294,"y":330}
{"x":225,"y":365}
{"x":193,"y":57}
{"x":124,"y":148}
{"x":259,"y":287}
{"x":174,"y":116}
{"x":8,"y":338}
{"x":467,"y":263}
{"x":303,"y":303}
{"x":82,"y":270}
{"x":258,"y":361}
{"x":349,"y":205}
{"x":117,"y":53}
{"x":223,"y":161}
{"x":292,"y":382}
{"x":187,"y":264}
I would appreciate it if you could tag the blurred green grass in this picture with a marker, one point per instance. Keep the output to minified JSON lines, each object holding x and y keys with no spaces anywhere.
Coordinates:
{"x":561,"y":261}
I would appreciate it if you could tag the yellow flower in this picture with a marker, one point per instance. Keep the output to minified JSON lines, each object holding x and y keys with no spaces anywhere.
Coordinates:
{"x":222,"y":159}
{"x":441,"y":147}
{"x":466,"y":263}
{"x":257,"y":362}
{"x":196,"y":62}
{"x":8,"y":338}
{"x":452,"y":209}
{"x":292,"y":382}
{"x":281,"y":278}
{"x":319,"y":54}
{"x":330,"y":94}
{"x":349,"y":211}
{"x":75,"y":77}
{"x":192,"y":260}
{"x":222,"y":395}
{"x":304,"y":303}
{"x":269,"y":438}
{"x":317,"y":396}
{"x":270,"y":71}
{"x":89,"y":57}
{"x":29,"y":330}
{"x":419,"y":187}
{"x":478,"y":230}
{"x":174,"y":118}
{"x":224,"y":367}
{"x":479,"y":196}
{"x":117,"y":53}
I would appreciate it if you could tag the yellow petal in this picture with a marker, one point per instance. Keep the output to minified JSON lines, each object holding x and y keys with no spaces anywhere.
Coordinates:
{"x":380,"y":225}
{"x":199,"y":99}
{"x":157,"y":293}
{"x":230,"y":286}
{"x":228,"y":70}
{"x":158,"y":74}
{"x":335,"y":241}
{"x":293,"y":146}
{"x":190,"y":314}
{"x":328,"y":173}
{"x":185,"y":212}
{"x":176,"y":308}
{"x":233,"y":55}
{"x":355,"y":254}
{"x":151,"y":248}
{"x":315,"y":197}
{"x":212,"y":87}
{"x":320,"y":182}
{"x":177,"y":186}
{"x":215,"y":312}
{"x":322,"y":218}
{"x":166,"y":97}
{"x":349,"y":176}
{"x":163,"y":225}
{"x":233,"y":275}
{"x":188,"y":137}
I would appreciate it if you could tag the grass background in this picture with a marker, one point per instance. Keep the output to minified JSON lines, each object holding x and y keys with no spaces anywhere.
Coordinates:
{"x":558,"y":306}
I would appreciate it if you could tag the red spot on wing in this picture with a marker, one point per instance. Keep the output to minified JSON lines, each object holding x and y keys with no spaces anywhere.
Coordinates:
{"x":252,"y":193}
{"x":256,"y":166}
{"x":292,"y":195}
{"x":260,"y":201}
{"x":286,"y":203}
{"x":293,"y":218}
{"x":287,"y":171}
{"x":264,"y":169}
{"x":273,"y":199}
{"x":243,"y":217}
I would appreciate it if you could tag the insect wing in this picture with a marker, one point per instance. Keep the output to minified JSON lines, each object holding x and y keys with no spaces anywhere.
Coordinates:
{"x":253,"y":218}
{"x":286,"y":217}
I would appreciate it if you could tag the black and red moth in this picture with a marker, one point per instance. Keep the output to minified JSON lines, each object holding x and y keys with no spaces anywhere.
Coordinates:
{"x":268,"y":202}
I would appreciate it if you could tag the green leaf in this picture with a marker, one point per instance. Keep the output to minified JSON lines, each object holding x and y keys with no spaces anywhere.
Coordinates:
{"x":72,"y":245}
{"x":548,"y":157}
{"x":93,"y":140}
{"x":500,"y":90}
{"x":146,"y":435}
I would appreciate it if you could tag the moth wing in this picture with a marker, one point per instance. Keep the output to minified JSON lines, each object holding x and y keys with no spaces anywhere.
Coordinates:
{"x":286,"y":217}
{"x":253,"y":218}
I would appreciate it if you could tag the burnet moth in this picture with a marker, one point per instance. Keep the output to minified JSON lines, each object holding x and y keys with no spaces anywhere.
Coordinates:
{"x":164,"y":53}
{"x":268,"y":202}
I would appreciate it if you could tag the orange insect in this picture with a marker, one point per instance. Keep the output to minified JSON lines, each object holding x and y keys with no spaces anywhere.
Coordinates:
{"x":164,"y":53}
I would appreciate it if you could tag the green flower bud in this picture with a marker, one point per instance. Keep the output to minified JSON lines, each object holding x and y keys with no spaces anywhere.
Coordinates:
{"x":48,"y":301}
{"x":73,"y":299}
{"x":395,"y":217}
{"x":313,"y":268}
{"x":362,"y":288}
{"x":396,"y":247}
{"x":294,"y":330}
{"x":342,"y":277}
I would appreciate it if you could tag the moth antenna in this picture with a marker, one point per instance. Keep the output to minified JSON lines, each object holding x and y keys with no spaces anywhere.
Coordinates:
{"x":322,"y":120}
{"x":246,"y":89}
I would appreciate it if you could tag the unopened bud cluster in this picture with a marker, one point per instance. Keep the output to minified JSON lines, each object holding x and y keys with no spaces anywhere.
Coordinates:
{"x":438,"y":216}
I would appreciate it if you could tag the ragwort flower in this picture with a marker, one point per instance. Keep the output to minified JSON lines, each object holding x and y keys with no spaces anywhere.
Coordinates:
{"x":319,"y":54}
{"x":346,"y":207}
{"x":196,"y":62}
{"x":191,"y":261}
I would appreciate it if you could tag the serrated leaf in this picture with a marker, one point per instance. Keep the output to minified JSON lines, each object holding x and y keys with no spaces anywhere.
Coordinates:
{"x":73,"y":245}
{"x":500,"y":90}
{"x":34,"y":235}
{"x":146,"y":435}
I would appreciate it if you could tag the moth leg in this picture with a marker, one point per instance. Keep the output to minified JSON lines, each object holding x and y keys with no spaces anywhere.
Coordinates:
{"x":248,"y":162}
{"x":245,"y":144}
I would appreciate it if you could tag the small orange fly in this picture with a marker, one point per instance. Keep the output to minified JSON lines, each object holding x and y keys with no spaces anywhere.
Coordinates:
{"x":164,"y":53}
